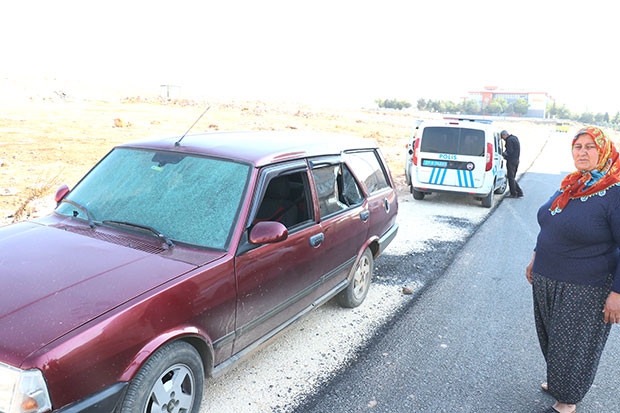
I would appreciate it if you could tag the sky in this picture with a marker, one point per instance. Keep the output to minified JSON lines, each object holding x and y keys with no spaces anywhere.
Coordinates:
{"x":319,"y":51}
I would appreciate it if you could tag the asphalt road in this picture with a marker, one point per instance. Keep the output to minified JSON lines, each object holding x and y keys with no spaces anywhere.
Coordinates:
{"x":467,"y":342}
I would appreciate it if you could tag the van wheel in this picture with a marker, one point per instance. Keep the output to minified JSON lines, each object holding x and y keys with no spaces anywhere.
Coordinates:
{"x":356,"y":291}
{"x":487,"y":201}
{"x":417,"y":194}
{"x":172,"y":379}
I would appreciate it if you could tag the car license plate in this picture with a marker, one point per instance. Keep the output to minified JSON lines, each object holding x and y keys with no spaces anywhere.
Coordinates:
{"x":434,"y":163}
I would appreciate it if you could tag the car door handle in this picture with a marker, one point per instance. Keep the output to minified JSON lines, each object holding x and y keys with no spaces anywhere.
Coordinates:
{"x":317,"y":239}
{"x":386,"y":204}
{"x":364,"y":215}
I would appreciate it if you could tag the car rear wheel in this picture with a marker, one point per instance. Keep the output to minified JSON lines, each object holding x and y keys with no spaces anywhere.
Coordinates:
{"x":356,"y":291}
{"x":172,"y":380}
{"x":417,"y":195}
{"x":487,"y":201}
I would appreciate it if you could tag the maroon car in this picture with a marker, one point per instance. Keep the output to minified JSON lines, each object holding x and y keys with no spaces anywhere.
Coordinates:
{"x":172,"y":259}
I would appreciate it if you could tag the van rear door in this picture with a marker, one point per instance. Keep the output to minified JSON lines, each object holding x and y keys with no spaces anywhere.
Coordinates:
{"x":452,"y":157}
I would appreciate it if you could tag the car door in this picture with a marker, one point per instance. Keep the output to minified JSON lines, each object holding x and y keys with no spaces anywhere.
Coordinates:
{"x":276,"y":281}
{"x":381,"y":202}
{"x":344,"y":221}
{"x":499,"y":167}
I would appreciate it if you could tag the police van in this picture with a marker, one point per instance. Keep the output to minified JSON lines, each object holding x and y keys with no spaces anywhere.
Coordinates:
{"x":457,"y":155}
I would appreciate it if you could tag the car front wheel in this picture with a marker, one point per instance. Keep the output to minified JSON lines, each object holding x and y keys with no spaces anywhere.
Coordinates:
{"x":356,"y":291}
{"x":502,"y":188}
{"x":172,"y":380}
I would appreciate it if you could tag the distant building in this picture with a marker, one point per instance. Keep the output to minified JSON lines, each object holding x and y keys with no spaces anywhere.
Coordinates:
{"x":537,"y":100}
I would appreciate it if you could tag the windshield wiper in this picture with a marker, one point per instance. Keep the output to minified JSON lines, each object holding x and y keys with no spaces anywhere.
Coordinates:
{"x":82,"y":208}
{"x":159,"y":235}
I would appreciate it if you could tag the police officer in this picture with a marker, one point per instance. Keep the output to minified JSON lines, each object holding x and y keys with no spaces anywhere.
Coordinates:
{"x":512,"y":154}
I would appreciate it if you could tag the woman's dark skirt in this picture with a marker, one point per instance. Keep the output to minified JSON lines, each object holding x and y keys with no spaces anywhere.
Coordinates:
{"x":572,"y":333}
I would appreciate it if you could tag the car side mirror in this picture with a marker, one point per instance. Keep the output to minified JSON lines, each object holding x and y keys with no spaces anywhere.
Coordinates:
{"x":61,"y":193}
{"x":268,"y":232}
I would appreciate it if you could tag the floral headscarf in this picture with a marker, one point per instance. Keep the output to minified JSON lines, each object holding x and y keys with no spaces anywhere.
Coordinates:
{"x":582,"y":184}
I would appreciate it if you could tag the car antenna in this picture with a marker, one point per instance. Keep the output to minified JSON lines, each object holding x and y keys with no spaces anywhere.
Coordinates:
{"x":178,"y":143}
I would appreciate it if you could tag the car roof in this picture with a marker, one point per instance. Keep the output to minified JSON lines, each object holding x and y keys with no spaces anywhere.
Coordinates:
{"x":259,"y":147}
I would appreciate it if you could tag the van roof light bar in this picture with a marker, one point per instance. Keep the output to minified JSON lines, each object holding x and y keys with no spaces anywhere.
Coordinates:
{"x":462,"y":119}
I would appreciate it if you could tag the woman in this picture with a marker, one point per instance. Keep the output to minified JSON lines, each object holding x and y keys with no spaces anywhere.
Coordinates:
{"x":575,"y":271}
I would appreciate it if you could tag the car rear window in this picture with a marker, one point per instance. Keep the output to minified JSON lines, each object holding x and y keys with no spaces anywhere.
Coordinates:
{"x":459,"y":141}
{"x":367,"y":167}
{"x":189,"y":199}
{"x":336,"y":189}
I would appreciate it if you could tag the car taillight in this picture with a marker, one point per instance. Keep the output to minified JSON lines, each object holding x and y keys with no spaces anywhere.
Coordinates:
{"x":416,"y":148}
{"x":489,"y":157}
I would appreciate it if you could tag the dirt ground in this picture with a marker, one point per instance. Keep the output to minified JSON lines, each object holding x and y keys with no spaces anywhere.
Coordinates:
{"x":46,"y":143}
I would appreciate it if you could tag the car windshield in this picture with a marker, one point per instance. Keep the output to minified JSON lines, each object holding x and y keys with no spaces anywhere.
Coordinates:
{"x":187,"y":198}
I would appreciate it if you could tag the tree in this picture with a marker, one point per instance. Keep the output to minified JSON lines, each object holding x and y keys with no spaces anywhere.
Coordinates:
{"x":433,"y":105}
{"x":552,"y":110}
{"x":393,"y":104}
{"x":421,"y":104}
{"x":446,"y":106}
{"x":563,"y":113}
{"x":496,"y":106}
{"x":470,"y":107}
{"x":520,"y":106}
{"x":586,"y":117}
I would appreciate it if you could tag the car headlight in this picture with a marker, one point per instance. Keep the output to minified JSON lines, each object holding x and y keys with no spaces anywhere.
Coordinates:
{"x":23,"y":391}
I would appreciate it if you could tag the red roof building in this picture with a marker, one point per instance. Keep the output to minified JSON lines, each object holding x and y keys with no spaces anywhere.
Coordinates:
{"x":537,"y":100}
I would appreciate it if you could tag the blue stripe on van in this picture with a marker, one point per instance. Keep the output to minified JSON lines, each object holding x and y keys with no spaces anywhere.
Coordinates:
{"x":438,"y":175}
{"x":466,"y":178}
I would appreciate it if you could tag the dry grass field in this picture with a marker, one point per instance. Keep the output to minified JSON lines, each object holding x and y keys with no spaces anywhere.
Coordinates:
{"x":47,"y":142}
{"x":50,"y":142}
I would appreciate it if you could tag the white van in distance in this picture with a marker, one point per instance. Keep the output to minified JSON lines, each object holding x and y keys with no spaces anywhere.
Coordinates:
{"x":457,"y":155}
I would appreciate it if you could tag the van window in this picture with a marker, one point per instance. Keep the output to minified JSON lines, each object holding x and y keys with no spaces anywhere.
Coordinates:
{"x":459,"y":141}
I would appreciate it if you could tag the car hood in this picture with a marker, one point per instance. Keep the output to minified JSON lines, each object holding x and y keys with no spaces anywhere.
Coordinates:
{"x":53,"y":281}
